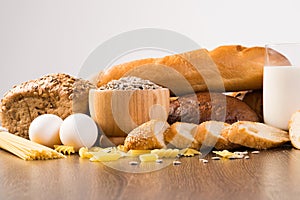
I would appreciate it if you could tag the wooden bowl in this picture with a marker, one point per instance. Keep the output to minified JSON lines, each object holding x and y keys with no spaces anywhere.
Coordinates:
{"x":117,"y":112}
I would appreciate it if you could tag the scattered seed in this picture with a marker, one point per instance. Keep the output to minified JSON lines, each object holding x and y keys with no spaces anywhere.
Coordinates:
{"x":215,"y":158}
{"x":236,"y":157}
{"x":133,"y":163}
{"x":159,"y":161}
{"x":255,"y":152}
{"x":246,"y":157}
{"x":241,"y":152}
{"x":203,"y":160}
{"x":176,"y":162}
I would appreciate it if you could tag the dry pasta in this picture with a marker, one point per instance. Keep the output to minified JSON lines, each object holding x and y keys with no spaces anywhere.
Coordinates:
{"x":105,"y":157}
{"x":148,"y":157}
{"x":137,"y":152}
{"x":84,"y":153}
{"x":166,"y":153}
{"x":64,"y":149}
{"x":26,"y":149}
{"x":189,"y":152}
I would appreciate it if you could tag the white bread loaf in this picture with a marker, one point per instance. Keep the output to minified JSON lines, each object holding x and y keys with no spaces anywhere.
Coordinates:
{"x":256,"y":135}
{"x":294,"y":129}
{"x":234,"y":68}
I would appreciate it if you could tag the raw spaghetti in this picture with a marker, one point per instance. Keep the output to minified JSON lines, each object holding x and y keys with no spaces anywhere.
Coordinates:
{"x":26,"y":149}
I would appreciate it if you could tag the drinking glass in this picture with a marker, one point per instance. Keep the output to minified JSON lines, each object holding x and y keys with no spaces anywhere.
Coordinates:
{"x":281,"y":84}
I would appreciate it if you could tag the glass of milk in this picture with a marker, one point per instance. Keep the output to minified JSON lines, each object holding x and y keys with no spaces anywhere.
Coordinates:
{"x":281,"y":84}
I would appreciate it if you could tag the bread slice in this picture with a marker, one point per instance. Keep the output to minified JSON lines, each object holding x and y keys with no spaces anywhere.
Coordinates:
{"x":256,"y":135}
{"x":294,"y":129}
{"x":181,"y":135}
{"x":212,"y":134}
{"x":147,"y":136}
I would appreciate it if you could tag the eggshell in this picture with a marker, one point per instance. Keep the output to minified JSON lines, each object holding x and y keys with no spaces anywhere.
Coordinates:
{"x":78,"y":130}
{"x":45,"y":130}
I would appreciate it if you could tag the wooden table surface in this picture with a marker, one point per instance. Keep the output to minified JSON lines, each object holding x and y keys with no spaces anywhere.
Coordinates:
{"x":271,"y":174}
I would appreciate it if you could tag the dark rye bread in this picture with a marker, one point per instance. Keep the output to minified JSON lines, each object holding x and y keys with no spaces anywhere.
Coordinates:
{"x":58,"y":94}
{"x":205,"y":106}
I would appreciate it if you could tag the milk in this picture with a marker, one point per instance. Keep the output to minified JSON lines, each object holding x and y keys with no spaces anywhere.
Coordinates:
{"x":281,"y":94}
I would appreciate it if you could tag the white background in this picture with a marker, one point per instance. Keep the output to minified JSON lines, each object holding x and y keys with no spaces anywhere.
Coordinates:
{"x":39,"y":37}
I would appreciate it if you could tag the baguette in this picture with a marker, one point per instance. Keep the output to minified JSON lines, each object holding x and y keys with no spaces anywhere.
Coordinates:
{"x":233,"y":68}
{"x":256,"y":135}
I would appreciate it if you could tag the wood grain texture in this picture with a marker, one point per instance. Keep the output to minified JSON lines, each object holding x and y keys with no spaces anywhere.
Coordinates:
{"x":272,"y":174}
{"x":118,"y":112}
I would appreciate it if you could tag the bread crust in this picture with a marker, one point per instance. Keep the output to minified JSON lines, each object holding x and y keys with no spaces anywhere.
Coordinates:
{"x":232,"y":67}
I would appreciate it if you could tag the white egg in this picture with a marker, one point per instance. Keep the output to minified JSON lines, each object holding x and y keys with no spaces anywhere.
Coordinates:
{"x":45,"y":130}
{"x":78,"y":130}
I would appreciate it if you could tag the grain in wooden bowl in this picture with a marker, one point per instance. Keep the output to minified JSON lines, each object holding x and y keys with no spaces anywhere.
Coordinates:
{"x":121,"y":105}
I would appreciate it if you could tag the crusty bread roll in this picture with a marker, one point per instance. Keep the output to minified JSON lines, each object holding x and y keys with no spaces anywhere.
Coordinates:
{"x":181,"y":135}
{"x":256,"y":135}
{"x":233,"y":68}
{"x":147,"y":136}
{"x":205,"y":106}
{"x":212,"y":134}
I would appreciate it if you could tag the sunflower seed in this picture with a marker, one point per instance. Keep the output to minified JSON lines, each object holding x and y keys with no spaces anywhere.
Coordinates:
{"x":176,"y":162}
{"x":203,"y":160}
{"x":133,"y":163}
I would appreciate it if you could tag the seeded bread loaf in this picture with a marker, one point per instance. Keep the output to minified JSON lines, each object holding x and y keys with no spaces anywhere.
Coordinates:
{"x":233,"y":67}
{"x":205,"y":106}
{"x":256,"y":135}
{"x":58,"y":94}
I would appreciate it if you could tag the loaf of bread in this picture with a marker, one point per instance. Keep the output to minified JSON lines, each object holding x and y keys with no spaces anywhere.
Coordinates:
{"x":253,"y":98}
{"x":147,"y":136}
{"x":205,"y":106}
{"x":58,"y":94}
{"x":256,"y":135}
{"x":233,"y":68}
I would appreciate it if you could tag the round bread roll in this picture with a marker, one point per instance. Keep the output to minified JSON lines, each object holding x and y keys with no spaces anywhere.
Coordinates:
{"x":226,"y":68}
